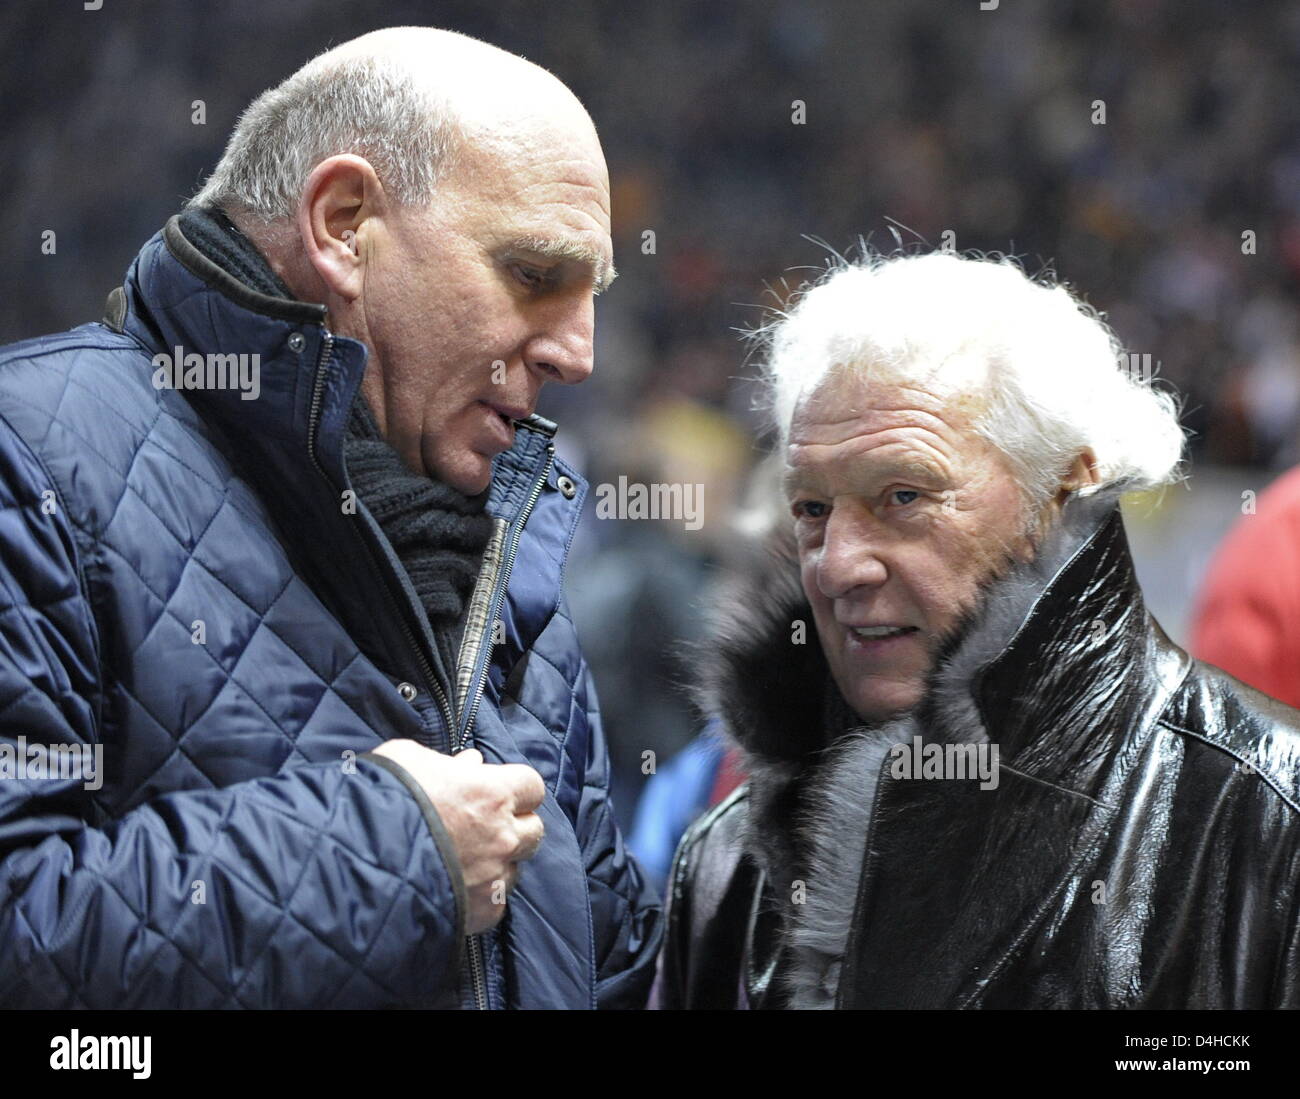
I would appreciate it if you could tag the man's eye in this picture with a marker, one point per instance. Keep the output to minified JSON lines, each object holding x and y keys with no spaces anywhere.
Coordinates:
{"x":530,"y":277}
{"x":910,"y":493}
{"x":810,"y":509}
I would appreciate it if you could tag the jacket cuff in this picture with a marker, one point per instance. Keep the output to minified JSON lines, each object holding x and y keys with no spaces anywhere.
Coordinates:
{"x":441,"y":837}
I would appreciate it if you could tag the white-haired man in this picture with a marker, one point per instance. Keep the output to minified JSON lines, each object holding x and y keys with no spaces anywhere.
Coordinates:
{"x":985,"y":778}
{"x":284,"y":550}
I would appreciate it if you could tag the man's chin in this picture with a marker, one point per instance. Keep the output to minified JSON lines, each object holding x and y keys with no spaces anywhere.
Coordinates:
{"x":473,"y":486}
{"x":876,"y":707}
{"x":470,"y":473}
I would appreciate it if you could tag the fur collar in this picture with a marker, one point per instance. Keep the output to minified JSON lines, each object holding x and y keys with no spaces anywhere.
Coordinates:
{"x":813,"y":767}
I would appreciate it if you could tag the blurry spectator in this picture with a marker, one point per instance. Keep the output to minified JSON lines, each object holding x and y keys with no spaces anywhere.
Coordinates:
{"x":697,"y":778}
{"x":1248,"y":619}
{"x":637,"y":599}
{"x":708,"y":769}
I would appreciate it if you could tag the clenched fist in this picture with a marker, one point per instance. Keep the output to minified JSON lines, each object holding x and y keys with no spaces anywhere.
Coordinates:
{"x":489,"y":810}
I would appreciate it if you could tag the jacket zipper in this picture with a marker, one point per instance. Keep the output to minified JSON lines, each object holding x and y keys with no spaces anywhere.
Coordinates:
{"x":474,"y":942}
{"x":503,"y":580}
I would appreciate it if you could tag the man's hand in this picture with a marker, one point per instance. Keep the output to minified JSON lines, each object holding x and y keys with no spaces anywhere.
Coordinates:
{"x":488,"y":808}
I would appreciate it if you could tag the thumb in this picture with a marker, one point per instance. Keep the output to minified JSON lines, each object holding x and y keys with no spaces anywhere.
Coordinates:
{"x":469,"y":756}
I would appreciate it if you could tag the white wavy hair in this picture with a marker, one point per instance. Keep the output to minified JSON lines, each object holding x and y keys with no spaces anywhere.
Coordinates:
{"x":373,"y":107}
{"x":1048,"y":373}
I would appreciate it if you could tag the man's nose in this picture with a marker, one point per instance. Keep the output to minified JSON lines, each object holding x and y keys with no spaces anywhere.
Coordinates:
{"x":563,"y":351}
{"x":850,"y":554}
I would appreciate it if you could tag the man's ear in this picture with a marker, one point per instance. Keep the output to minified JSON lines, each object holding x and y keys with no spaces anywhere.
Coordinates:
{"x":1083,"y":473}
{"x":340,"y":201}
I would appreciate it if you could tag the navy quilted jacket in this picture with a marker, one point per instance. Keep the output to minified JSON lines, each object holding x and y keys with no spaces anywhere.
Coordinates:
{"x":188,"y":588}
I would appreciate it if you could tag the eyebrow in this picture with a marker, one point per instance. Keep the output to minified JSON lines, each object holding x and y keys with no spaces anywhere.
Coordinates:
{"x":567,"y":248}
{"x":903,"y":469}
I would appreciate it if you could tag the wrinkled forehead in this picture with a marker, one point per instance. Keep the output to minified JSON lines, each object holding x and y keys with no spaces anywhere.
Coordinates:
{"x":895,"y":428}
{"x":866,"y":394}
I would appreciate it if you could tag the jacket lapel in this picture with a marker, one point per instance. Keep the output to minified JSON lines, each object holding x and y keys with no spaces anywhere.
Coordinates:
{"x":955,"y":879}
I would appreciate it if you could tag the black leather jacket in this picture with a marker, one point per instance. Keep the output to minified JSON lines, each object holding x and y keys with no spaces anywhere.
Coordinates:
{"x":1141,"y":847}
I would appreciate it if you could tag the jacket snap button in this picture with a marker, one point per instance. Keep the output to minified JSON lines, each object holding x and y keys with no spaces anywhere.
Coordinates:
{"x":567,"y":487}
{"x":407,"y":691}
{"x":297,"y":341}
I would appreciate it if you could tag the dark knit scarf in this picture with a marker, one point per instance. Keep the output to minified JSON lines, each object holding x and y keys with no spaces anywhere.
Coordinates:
{"x":438,"y":533}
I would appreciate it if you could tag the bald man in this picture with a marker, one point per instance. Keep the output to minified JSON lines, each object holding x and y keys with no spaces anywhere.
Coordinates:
{"x":294,"y":714}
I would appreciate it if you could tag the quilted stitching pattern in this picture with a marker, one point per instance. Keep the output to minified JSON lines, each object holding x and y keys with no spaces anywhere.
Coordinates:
{"x":232,"y":758}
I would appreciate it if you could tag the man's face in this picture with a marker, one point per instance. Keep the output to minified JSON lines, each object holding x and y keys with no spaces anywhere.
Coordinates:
{"x":901,"y":514}
{"x":472,"y":303}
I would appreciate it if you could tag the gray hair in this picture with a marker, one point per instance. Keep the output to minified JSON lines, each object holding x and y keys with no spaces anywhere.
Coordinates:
{"x":370,"y":106}
{"x":1051,"y":375}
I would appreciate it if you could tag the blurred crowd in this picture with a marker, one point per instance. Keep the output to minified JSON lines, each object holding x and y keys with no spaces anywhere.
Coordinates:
{"x":1148,"y":151}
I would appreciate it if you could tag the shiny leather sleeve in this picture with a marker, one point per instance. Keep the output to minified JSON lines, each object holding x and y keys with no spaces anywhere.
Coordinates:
{"x":711,"y":892}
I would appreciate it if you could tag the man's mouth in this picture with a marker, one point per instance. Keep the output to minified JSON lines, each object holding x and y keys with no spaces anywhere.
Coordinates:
{"x":509,"y":413}
{"x":503,"y":425}
{"x":879,"y":633}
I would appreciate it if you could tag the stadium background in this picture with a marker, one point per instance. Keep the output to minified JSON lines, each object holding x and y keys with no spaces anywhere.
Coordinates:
{"x":929,"y":115}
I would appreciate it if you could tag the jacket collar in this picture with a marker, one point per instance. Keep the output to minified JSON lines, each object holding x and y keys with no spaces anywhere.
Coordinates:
{"x":1046,"y":664}
{"x":176,"y":297}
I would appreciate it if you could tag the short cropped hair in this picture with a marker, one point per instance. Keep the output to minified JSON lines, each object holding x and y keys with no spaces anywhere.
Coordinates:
{"x":370,"y":106}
